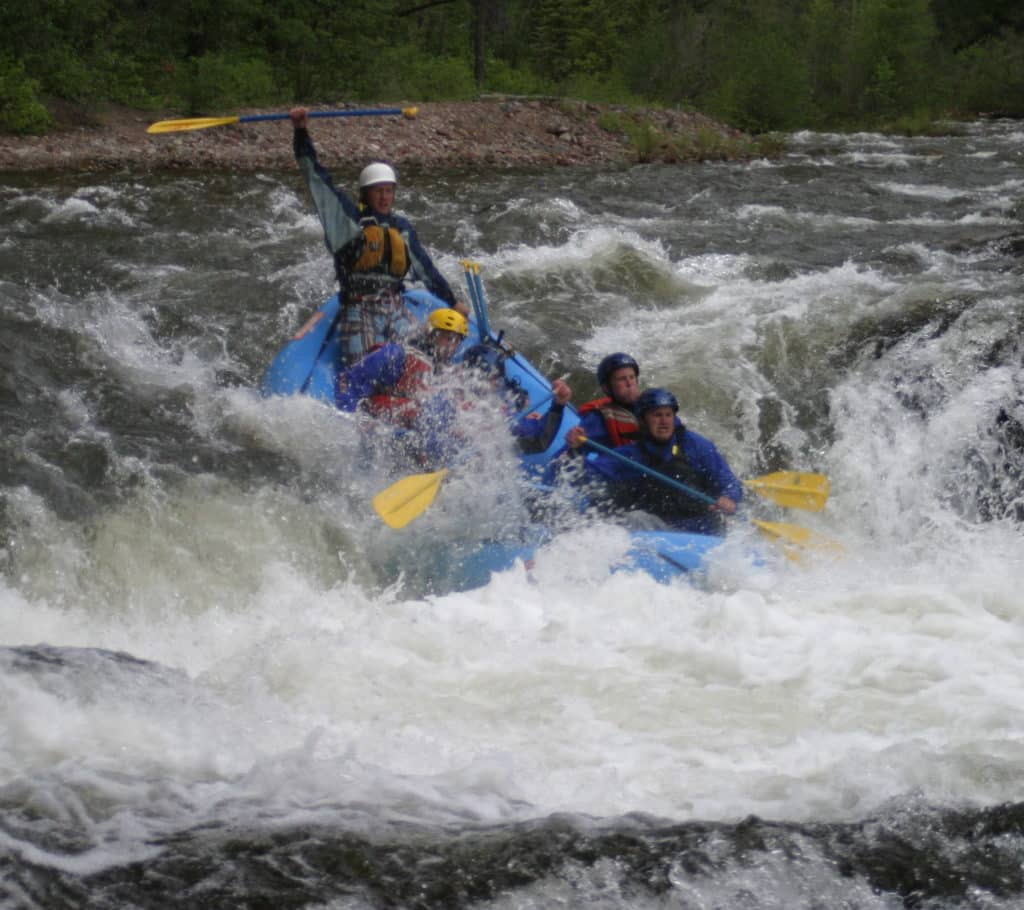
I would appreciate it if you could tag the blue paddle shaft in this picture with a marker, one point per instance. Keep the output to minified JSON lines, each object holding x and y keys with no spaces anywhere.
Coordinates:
{"x":476,"y":295}
{"x":682,"y":487}
{"x":483,"y":302}
{"x":376,"y":112}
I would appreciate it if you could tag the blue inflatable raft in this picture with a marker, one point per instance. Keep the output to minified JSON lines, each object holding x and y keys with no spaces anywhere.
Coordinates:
{"x":308,"y":365}
{"x":663,"y":555}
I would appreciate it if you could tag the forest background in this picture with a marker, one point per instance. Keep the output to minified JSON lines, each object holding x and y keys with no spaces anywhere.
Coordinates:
{"x":758,"y":65}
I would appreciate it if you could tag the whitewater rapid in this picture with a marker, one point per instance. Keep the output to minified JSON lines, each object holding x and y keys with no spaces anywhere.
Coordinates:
{"x":205,"y":628}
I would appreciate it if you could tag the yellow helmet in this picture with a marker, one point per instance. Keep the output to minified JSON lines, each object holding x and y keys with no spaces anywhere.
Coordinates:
{"x":446,"y":319}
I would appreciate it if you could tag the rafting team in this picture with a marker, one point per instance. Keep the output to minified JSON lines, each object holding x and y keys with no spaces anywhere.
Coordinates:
{"x":389,"y":362}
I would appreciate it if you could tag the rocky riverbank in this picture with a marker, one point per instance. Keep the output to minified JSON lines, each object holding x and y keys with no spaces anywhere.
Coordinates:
{"x":491,"y":133}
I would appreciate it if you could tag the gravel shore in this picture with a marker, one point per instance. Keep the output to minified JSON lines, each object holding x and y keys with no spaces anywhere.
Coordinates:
{"x":490,"y":134}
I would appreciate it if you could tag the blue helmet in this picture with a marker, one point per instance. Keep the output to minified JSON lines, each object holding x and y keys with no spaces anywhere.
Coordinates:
{"x":614,"y":362}
{"x":655,"y":398}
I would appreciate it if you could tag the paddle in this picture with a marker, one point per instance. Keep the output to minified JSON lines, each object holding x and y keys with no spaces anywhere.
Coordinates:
{"x":792,"y":489}
{"x":790,"y":533}
{"x":476,"y":295}
{"x":202,"y":123}
{"x":408,"y":498}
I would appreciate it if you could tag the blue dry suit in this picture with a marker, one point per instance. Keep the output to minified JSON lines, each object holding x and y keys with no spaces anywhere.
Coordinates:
{"x":688,"y":458}
{"x":392,"y":383}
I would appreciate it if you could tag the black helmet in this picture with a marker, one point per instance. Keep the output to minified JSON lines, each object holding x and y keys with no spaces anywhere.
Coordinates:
{"x":614,"y":362}
{"x":655,"y":398}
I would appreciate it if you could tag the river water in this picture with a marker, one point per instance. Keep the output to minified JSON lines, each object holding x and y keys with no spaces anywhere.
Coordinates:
{"x":224,"y":683}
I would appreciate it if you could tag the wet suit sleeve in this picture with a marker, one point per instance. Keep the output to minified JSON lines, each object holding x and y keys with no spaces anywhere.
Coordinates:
{"x":339,"y":215}
{"x":705,"y":458}
{"x":422,"y":266}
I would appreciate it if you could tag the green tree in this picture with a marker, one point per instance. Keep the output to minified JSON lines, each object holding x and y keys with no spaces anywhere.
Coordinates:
{"x":891,"y":55}
{"x":553,"y":23}
{"x":759,"y":74}
{"x":763,"y":64}
{"x":667,"y":57}
{"x":963,"y":23}
{"x":823,"y":25}
{"x":990,"y":76}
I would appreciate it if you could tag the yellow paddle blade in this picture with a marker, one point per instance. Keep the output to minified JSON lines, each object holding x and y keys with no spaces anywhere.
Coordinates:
{"x":408,"y":498}
{"x":783,"y":531}
{"x":793,"y":489}
{"x":796,"y":538}
{"x":196,"y":123}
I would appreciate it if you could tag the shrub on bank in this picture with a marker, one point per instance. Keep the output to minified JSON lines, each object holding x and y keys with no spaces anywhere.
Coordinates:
{"x":21,"y":111}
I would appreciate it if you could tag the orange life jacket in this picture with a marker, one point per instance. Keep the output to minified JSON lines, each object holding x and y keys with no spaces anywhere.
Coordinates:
{"x":620,"y":422}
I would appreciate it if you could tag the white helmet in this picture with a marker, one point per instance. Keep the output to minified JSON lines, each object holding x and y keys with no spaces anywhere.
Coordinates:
{"x":377,"y":172}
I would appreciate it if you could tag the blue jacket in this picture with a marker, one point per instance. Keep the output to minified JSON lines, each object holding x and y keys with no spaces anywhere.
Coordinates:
{"x":340,"y":218}
{"x":689,"y":458}
{"x":376,"y":372}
